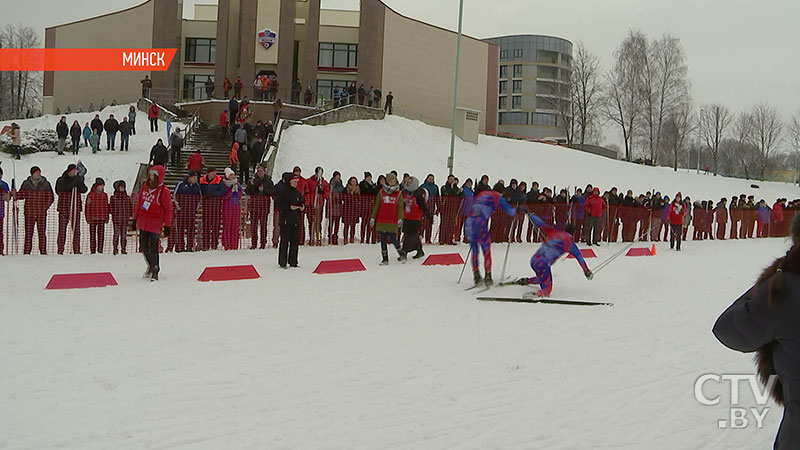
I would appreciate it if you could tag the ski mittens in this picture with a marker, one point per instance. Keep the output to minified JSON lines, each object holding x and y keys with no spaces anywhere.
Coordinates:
{"x":167,"y":231}
{"x":588,"y":273}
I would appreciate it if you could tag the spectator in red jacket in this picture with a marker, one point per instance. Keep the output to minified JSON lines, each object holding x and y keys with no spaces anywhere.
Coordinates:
{"x":97,"y":215}
{"x":152,"y":115}
{"x":223,"y":121}
{"x":315,"y":190}
{"x":195,"y":162}
{"x":777,"y":217}
{"x":121,"y":212}
{"x":37,"y":193}
{"x":226,"y":87}
{"x":153,"y":214}
{"x":675,"y":215}
{"x":594,"y":207}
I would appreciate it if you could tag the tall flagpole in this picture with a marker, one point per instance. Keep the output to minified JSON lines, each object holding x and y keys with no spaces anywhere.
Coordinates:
{"x":455,"y":89}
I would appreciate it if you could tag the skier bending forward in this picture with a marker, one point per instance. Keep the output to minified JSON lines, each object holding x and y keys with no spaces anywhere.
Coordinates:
{"x":556,"y":243}
{"x":477,"y":227}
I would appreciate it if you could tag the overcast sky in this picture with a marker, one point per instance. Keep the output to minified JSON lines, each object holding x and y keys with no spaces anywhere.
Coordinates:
{"x":740,"y":52}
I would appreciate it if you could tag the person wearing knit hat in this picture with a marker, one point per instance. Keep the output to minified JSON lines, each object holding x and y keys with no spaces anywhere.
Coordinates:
{"x":315,"y":190}
{"x":97,"y":215}
{"x":212,"y":190}
{"x":387,"y":216}
{"x":69,"y":187}
{"x":153,"y":217}
{"x":290,"y":205}
{"x":231,"y":212}
{"x":121,"y":210}
{"x":37,"y":193}
{"x":677,"y":210}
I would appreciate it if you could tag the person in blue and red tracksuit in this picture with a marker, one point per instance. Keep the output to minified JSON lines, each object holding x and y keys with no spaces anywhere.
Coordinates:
{"x":477,"y":227}
{"x":153,"y":214}
{"x":556,"y":243}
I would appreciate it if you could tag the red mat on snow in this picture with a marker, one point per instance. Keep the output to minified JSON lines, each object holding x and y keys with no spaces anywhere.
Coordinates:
{"x":586,"y":253}
{"x":639,"y":252}
{"x":229,"y":273}
{"x":447,"y":259}
{"x":81,"y":280}
{"x":340,"y":266}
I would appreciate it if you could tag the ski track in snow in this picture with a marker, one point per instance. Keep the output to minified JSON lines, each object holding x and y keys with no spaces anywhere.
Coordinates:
{"x":397,"y":357}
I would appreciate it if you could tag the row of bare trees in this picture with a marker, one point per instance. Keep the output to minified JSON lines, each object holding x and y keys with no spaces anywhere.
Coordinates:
{"x":20,"y":91}
{"x":646,"y":95}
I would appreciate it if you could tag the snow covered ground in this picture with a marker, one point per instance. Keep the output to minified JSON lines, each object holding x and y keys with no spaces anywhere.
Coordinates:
{"x":411,"y":146}
{"x":110,"y":166}
{"x":396,"y":357}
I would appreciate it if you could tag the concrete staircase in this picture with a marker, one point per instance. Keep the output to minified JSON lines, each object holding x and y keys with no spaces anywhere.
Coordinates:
{"x":212,"y":146}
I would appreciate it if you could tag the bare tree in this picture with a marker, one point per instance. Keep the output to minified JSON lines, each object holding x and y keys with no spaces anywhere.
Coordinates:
{"x":744,"y":151}
{"x":22,"y":88}
{"x":794,"y":140}
{"x":587,"y":88}
{"x":677,"y":128}
{"x":664,"y":85}
{"x":713,"y":121}
{"x":766,"y":136}
{"x":622,"y":104}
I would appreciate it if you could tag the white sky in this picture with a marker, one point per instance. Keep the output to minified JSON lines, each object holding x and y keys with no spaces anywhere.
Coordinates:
{"x":740,"y":52}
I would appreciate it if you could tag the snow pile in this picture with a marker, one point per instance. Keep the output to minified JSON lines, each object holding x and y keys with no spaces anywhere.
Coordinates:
{"x":395,"y":357}
{"x":109,"y":165}
{"x":410,"y":146}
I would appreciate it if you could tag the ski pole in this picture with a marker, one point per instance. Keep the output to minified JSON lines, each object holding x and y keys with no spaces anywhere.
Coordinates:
{"x":608,"y":261}
{"x":469,"y":251}
{"x":508,"y":245}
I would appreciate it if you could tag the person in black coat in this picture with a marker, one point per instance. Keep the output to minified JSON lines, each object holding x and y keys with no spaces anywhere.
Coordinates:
{"x":290,"y":204}
{"x":111,"y":126}
{"x":62,"y":131}
{"x":256,"y":151}
{"x":125,"y":129}
{"x":260,"y":190}
{"x":69,"y":186}
{"x":97,"y":124}
{"x":159,"y":154}
{"x":764,"y":320}
{"x":75,"y":133}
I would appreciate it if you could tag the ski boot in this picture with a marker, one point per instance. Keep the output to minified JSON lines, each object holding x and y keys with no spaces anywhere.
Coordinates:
{"x":419,"y":254}
{"x":488,"y":280}
{"x":522,"y":282}
{"x":402,"y":258}
{"x":477,"y":277}
{"x":385,"y":260}
{"x":154,"y":273}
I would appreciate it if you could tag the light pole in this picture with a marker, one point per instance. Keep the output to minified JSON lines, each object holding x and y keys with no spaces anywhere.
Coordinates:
{"x":455,"y":90}
{"x":699,"y":151}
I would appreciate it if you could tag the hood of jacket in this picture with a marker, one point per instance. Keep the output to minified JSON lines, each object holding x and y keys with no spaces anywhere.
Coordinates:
{"x":411,"y":184}
{"x":160,"y":171}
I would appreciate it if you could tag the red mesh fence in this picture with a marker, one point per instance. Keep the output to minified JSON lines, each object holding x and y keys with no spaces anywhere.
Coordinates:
{"x":39,"y":222}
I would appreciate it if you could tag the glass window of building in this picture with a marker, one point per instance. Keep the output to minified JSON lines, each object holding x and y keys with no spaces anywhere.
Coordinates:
{"x":543,"y":119}
{"x":325,"y":87}
{"x":337,"y":55}
{"x":503,"y":86}
{"x":513,"y":118}
{"x":517,"y":70}
{"x":516,"y":102}
{"x":503,"y":54}
{"x":503,"y":71}
{"x":194,"y":87}
{"x":517,"y":53}
{"x":517,"y":86}
{"x":502,"y":103}
{"x":200,"y":50}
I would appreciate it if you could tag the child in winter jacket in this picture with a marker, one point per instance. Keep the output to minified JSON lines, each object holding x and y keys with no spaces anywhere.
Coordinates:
{"x":121,"y":213}
{"x":87,"y":134}
{"x":97,"y":215}
{"x":94,"y":140}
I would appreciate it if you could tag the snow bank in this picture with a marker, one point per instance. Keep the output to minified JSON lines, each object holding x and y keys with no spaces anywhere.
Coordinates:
{"x":414,"y":147}
{"x":110,"y":166}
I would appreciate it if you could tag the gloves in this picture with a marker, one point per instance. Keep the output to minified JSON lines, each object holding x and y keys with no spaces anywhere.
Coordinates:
{"x":400,"y":223}
{"x":588,"y":274}
{"x":166,"y":231}
{"x":235,"y":187}
{"x":372,"y":223}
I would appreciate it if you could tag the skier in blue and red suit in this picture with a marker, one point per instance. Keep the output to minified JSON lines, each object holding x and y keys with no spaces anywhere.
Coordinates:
{"x":555,"y":244}
{"x":476,"y":227}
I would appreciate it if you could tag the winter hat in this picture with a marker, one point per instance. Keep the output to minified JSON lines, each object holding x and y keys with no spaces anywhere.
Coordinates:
{"x":35,"y":169}
{"x":71,"y":167}
{"x":596,"y":191}
{"x":412,"y":184}
{"x":229,"y":172}
{"x":192,"y":173}
{"x":367,"y":174}
{"x":211,"y":169}
{"x":295,"y":177}
{"x":391,"y":177}
{"x":99,"y":180}
{"x":117,"y":185}
{"x":296,"y":169}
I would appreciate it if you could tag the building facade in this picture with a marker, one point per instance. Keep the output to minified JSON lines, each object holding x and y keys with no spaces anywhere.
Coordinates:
{"x":534,"y":78}
{"x":294,"y":41}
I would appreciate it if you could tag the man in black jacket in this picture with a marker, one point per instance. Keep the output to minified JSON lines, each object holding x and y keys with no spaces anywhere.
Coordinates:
{"x":97,"y":124}
{"x":111,"y":126}
{"x":62,"y":131}
{"x":159,"y":154}
{"x":260,"y":190}
{"x":290,"y":204}
{"x":125,"y":129}
{"x":37,"y":193}
{"x":69,"y":186}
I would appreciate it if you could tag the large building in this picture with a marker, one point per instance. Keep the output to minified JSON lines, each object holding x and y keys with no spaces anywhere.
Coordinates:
{"x":533,"y":85}
{"x":289,"y":39}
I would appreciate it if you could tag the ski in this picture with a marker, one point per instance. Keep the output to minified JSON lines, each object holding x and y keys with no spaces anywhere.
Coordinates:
{"x":551,"y":301}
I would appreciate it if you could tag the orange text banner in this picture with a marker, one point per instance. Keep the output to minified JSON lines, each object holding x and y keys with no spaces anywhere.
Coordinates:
{"x":86,"y":59}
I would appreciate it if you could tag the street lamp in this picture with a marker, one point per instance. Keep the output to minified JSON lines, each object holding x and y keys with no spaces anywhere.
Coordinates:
{"x":455,"y":89}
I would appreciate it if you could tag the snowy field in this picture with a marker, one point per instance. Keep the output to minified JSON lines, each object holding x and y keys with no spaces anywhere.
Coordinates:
{"x":396,"y":357}
{"x":110,"y":166}
{"x":411,"y":146}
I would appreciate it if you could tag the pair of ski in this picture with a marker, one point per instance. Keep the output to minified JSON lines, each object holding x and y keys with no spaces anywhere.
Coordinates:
{"x":531,"y":298}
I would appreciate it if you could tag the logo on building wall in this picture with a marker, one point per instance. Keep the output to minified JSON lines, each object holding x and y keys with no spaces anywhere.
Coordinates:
{"x":267,"y":38}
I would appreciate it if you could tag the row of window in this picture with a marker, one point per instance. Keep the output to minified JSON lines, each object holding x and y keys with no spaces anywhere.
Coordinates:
{"x":200,"y":50}
{"x":516,"y":102}
{"x":517,"y":71}
{"x":517,"y":53}
{"x":337,"y":55}
{"x":516,"y":87}
{"x":194,"y":87}
{"x":523,"y":118}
